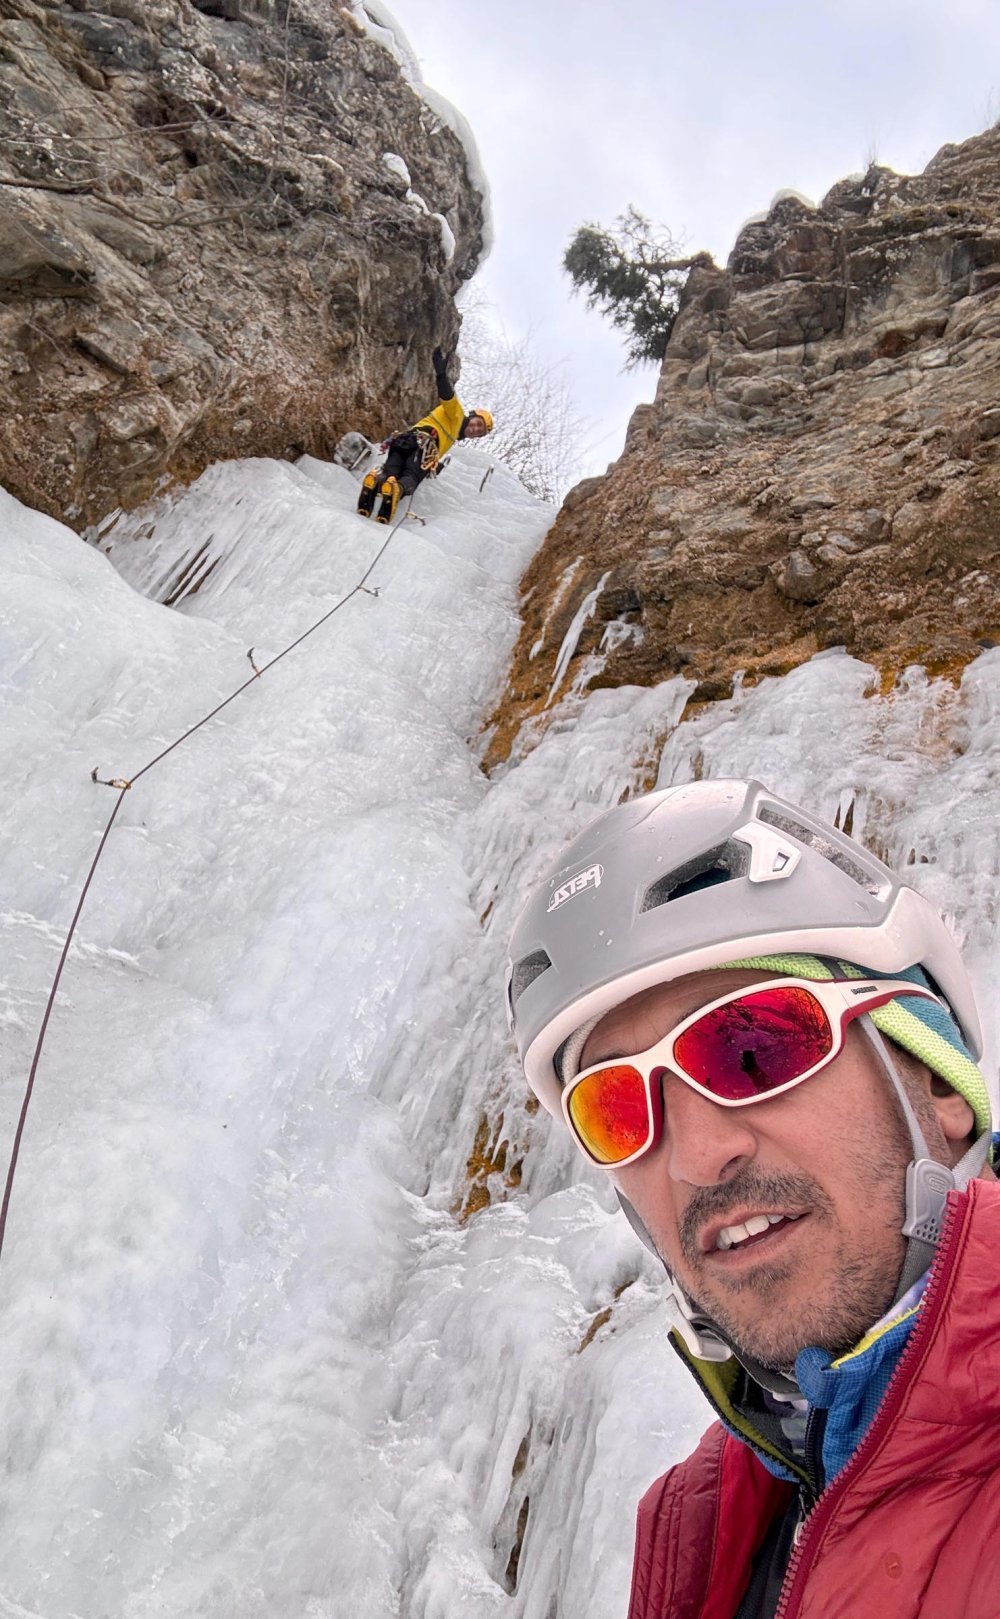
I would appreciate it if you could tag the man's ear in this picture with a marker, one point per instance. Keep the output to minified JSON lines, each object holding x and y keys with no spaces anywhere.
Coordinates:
{"x":954,"y":1115}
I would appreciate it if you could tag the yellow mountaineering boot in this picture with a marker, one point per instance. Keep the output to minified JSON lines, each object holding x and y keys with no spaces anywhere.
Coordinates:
{"x":366,"y":499}
{"x":391,"y":491}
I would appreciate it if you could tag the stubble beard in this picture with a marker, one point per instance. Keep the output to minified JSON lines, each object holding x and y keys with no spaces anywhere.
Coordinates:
{"x":755,"y":1310}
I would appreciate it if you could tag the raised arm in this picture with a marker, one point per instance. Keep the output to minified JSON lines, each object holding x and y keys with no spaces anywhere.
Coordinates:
{"x":445,"y":389}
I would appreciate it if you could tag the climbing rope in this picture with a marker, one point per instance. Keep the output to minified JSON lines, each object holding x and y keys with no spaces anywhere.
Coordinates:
{"x":123,"y":785}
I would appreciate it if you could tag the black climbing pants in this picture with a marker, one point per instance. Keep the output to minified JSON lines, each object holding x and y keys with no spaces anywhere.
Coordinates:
{"x":403,"y":462}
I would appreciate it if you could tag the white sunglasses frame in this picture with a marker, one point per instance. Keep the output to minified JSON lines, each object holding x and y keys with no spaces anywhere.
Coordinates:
{"x":842,"y":999}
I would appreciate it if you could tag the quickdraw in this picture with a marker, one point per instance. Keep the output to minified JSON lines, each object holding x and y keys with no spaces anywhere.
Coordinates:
{"x":118,"y":782}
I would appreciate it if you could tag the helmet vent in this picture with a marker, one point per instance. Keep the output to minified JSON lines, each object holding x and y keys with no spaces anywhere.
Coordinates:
{"x":526,"y":971}
{"x":717,"y":865}
{"x":813,"y":839}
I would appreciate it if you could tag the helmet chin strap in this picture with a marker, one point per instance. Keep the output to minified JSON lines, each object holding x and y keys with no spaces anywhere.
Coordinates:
{"x":927,"y":1186}
{"x":927,"y":1182}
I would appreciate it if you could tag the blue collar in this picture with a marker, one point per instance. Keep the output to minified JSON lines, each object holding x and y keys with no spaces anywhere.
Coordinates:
{"x":850,"y":1389}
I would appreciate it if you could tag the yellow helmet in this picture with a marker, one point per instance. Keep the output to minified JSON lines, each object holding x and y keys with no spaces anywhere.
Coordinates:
{"x":485,"y":416}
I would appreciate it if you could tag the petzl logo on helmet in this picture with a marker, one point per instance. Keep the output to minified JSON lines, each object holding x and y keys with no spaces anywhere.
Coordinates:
{"x":591,"y":878}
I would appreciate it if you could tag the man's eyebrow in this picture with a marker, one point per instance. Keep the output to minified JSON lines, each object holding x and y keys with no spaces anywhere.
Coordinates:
{"x":614,"y":1054}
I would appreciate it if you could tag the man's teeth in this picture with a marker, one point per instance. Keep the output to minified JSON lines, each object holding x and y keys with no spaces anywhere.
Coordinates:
{"x":730,"y":1235}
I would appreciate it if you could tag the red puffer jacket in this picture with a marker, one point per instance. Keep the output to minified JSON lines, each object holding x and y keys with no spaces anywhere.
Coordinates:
{"x":911,"y":1526}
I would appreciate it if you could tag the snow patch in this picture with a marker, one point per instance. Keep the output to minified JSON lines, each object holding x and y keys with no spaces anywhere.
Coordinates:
{"x":381,"y":25}
{"x":447,"y":237}
{"x":751,"y":219}
{"x":779,"y":196}
{"x":394,"y":163}
{"x":420,"y":206}
{"x":460,"y":126}
{"x":787,"y":195}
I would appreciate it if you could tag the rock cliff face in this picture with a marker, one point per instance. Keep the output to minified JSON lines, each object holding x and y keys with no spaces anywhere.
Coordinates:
{"x":821,"y":463}
{"x":203,"y":251}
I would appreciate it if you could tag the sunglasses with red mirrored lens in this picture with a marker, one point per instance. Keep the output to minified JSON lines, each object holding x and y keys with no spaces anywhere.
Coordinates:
{"x":745,"y":1047}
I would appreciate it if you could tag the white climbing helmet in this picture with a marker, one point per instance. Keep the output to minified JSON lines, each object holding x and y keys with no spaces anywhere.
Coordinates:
{"x":692,"y":877}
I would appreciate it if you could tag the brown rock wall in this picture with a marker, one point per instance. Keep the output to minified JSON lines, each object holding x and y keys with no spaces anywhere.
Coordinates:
{"x":821,"y":462}
{"x":202,"y":252}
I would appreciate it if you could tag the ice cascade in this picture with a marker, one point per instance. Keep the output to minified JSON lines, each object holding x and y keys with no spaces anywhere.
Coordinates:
{"x":306,"y":1309}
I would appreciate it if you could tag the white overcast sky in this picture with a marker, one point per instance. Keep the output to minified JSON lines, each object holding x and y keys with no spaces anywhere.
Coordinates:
{"x":697,"y":113}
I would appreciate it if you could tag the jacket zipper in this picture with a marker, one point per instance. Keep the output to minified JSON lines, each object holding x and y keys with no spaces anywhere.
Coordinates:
{"x":812,"y":1452}
{"x":808,"y":1532}
{"x":812,"y":1458}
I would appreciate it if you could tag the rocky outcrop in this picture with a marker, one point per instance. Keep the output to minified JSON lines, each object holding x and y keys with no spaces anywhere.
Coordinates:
{"x":821,"y":463}
{"x":203,"y":250}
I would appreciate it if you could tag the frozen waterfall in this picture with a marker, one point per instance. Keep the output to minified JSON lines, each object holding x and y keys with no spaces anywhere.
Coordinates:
{"x":306,"y":1312}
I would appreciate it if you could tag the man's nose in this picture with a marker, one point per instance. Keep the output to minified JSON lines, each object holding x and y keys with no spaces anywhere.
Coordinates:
{"x":705,"y":1144}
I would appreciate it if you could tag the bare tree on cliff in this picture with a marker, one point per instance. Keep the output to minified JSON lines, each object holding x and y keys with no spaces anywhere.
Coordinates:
{"x":634,"y":275}
{"x":537,"y":431}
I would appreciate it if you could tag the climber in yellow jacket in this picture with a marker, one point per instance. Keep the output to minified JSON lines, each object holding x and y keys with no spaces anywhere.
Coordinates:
{"x":418,"y":453}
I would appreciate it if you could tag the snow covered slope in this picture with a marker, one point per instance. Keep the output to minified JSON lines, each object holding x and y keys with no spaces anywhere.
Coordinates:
{"x":305,"y":1313}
